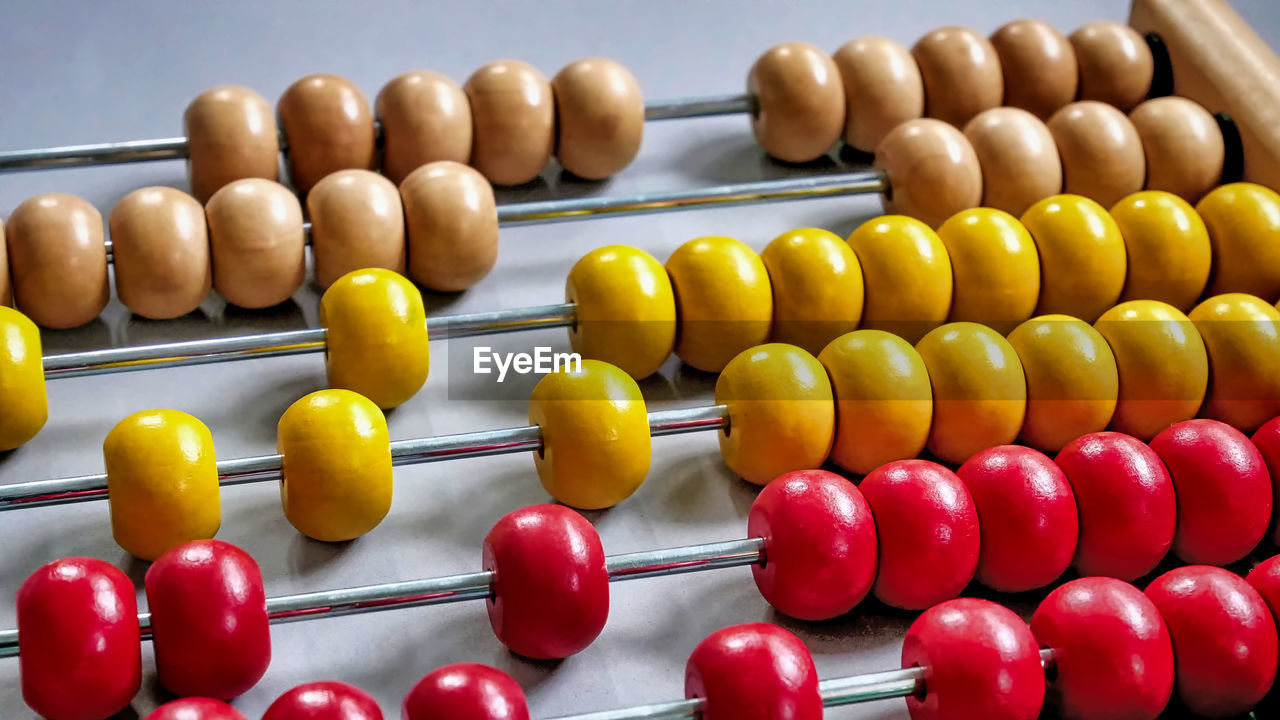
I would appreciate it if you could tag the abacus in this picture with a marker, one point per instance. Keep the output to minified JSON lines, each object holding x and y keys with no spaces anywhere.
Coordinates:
{"x":1042,"y":365}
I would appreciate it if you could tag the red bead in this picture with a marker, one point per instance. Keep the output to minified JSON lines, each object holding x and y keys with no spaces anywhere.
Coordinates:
{"x":1224,"y":491}
{"x":820,"y":544}
{"x":465,"y":691}
{"x":208,"y":619}
{"x":1224,"y":639}
{"x":1027,"y":514}
{"x":1111,"y":649}
{"x":78,"y":638}
{"x":1267,"y":440}
{"x":755,"y":671}
{"x":1128,"y":511}
{"x":195,"y":709}
{"x":324,"y":701}
{"x":928,"y":528}
{"x":1266,"y":580}
{"x":981,"y":662}
{"x":551,"y":588}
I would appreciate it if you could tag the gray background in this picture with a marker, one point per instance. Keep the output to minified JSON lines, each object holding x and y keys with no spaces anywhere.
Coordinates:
{"x":90,"y":71}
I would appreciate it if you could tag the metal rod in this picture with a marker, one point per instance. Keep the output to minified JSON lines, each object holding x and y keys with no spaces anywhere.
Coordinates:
{"x":267,"y":468}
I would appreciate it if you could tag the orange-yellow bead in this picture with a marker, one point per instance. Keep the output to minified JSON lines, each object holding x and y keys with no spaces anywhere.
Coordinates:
{"x":979,"y":390}
{"x":1167,"y":247}
{"x":723,"y":298}
{"x":907,"y":274}
{"x":626,"y":310}
{"x":1163,"y":367}
{"x":781,"y":412}
{"x":1072,"y":381}
{"x":1242,"y":335}
{"x":884,"y":407}
{"x":25,"y":404}
{"x":995,"y":268}
{"x":1244,"y":230}
{"x":1082,"y":256}
{"x":817,"y":287}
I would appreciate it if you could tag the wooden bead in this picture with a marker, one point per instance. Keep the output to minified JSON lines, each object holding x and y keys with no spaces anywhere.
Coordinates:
{"x":754,"y":670}
{"x":257,"y":243}
{"x":1039,"y":65}
{"x":231,"y":135}
{"x":1082,"y":256}
{"x":1243,"y":220}
{"x":1168,"y":249}
{"x":451,"y":219}
{"x":1019,"y":158}
{"x":325,"y":699}
{"x":907,"y":274}
{"x":357,"y":222}
{"x":724,"y":300}
{"x":962,"y":75}
{"x":328,"y":127}
{"x":994,"y":266}
{"x":58,"y":260}
{"x":1102,"y":156}
{"x":599,"y":117}
{"x":160,"y":245}
{"x":1115,"y":63}
{"x":514,"y":117}
{"x":799,"y":102}
{"x":6,"y":294}
{"x":1183,"y":145}
{"x":425,"y":117}
{"x":22,"y":384}
{"x":1241,"y":338}
{"x":625,"y":309}
{"x":932,"y":169}
{"x":882,"y":89}
{"x":817,"y":287}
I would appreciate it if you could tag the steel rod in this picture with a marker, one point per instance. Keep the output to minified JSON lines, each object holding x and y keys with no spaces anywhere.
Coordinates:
{"x":267,"y":468}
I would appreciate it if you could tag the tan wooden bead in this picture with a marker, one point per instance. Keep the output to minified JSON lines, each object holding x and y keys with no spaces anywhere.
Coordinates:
{"x":231,"y":134}
{"x":425,"y":117}
{"x":58,"y":260}
{"x":357,"y":222}
{"x":257,"y":243}
{"x":962,"y":75}
{"x":599,"y":117}
{"x":160,"y":248}
{"x":514,"y":116}
{"x":1115,"y":63}
{"x":1020,"y":163}
{"x":799,"y":102}
{"x":6,"y":295}
{"x":932,"y":169}
{"x":1039,"y":65}
{"x":328,"y":127}
{"x":1183,"y":145}
{"x":452,"y":222}
{"x":1101,"y":152}
{"x":882,"y":89}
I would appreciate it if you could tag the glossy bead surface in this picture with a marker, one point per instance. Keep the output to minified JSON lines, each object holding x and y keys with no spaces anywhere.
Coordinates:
{"x":884,"y":404}
{"x":907,"y":274}
{"x":376,"y":336}
{"x":425,"y":117}
{"x":1224,"y":639}
{"x":357,"y":222}
{"x":1102,"y":157}
{"x":231,"y":135}
{"x":324,"y":701}
{"x":932,"y":168}
{"x":465,"y":691}
{"x":1072,"y":382}
{"x":962,"y":75}
{"x":1082,"y":256}
{"x":799,"y":102}
{"x":882,"y":89}
{"x":625,"y":309}
{"x":724,"y":300}
{"x":195,"y":709}
{"x":1027,"y":515}
{"x":22,"y":384}
{"x":1167,"y":246}
{"x":57,"y":260}
{"x":550,"y":593}
{"x":160,"y":250}
{"x":1039,"y":65}
{"x":1183,"y":144}
{"x":1243,"y":220}
{"x":1113,"y":658}
{"x":595,"y":434}
{"x":256,"y":243}
{"x":995,"y":268}
{"x":162,"y":482}
{"x":336,"y":478}
{"x":1115,"y":63}
{"x":599,"y":117}
{"x":1242,"y":336}
{"x":929,"y":536}
{"x":1267,"y":440}
{"x":1265,"y":578}
{"x":1019,"y":158}
{"x":981,"y":662}
{"x":817,"y":287}
{"x":513,"y":114}
{"x":754,"y":671}
{"x":329,"y":128}
{"x":452,"y":224}
{"x":208,"y":619}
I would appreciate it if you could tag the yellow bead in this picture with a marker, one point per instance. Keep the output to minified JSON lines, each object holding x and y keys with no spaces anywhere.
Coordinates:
{"x":25,"y":406}
{"x":781,"y":412}
{"x":162,"y":482}
{"x":377,"y":336}
{"x":1162,"y":363}
{"x":724,"y":300}
{"x":817,"y":287}
{"x":1082,"y":258}
{"x":1167,"y":247}
{"x":626,"y":311}
{"x":1244,"y":231}
{"x":907,"y":274}
{"x":1242,"y":334}
{"x":884,"y":406}
{"x":995,"y":267}
{"x":979,"y":390}
{"x":1072,"y":382}
{"x":595,"y":434}
{"x":337,"y":465}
